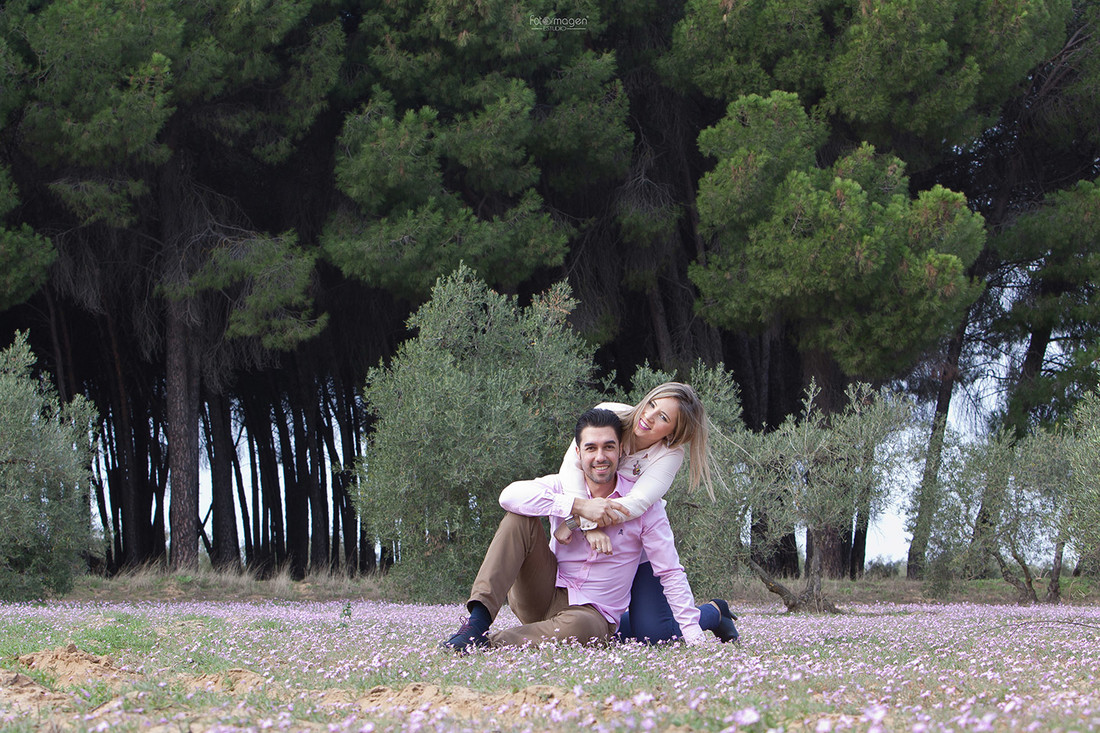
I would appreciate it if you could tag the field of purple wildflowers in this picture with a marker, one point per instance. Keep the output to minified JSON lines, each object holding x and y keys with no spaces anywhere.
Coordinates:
{"x":375,"y":666}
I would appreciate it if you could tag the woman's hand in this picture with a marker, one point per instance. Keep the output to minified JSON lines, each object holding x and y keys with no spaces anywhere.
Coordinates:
{"x":601,"y":512}
{"x":563,"y":534}
{"x":599,"y":540}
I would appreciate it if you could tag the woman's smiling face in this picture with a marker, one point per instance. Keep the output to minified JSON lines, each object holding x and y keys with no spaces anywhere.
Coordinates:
{"x":656,"y":422}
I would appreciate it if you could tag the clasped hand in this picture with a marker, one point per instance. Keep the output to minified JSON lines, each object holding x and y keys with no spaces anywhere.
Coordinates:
{"x":601,"y":511}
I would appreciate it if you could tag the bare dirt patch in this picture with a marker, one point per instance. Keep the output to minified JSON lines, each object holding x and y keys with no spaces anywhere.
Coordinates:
{"x":463,"y":702}
{"x":74,"y":668}
{"x":236,"y":681}
{"x":21,"y":693}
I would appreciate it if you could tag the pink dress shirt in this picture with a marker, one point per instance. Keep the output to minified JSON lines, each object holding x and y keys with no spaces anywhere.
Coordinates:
{"x":604,"y":580}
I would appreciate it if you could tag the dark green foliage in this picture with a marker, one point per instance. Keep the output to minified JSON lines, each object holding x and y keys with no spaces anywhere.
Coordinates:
{"x":485,"y":394}
{"x":148,"y":121}
{"x":584,"y":138}
{"x":938,"y":69}
{"x":268,"y":279}
{"x":24,"y":255}
{"x":391,"y":168}
{"x":177,"y":178}
{"x":473,"y":119}
{"x":935,"y":71}
{"x":871,"y":276}
{"x":731,"y":49}
{"x":45,"y":450}
{"x":1055,"y":253}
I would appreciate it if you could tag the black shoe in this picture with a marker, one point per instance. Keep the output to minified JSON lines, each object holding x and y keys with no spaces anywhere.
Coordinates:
{"x":726,"y":630}
{"x":466,"y":638}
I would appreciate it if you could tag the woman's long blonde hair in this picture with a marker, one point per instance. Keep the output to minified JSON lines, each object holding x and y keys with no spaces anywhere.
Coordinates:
{"x":691,"y":430}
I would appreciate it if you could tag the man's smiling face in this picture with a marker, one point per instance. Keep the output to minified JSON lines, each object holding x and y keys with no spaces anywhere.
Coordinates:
{"x":599,"y":455}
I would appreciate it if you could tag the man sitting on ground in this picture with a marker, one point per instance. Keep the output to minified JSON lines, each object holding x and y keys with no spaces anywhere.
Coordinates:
{"x":569,"y":591}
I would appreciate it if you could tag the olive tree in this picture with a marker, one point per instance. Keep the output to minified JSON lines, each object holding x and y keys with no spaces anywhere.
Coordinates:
{"x":1008,"y":502}
{"x":45,"y":454}
{"x":810,"y":472}
{"x":485,"y":393}
{"x":1082,"y":516}
{"x":815,"y":469}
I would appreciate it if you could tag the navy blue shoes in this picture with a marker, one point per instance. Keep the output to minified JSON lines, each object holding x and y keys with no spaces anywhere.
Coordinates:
{"x":469,"y":636}
{"x":726,"y":631}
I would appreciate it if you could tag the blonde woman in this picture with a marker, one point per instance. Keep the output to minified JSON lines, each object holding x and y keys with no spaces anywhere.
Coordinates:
{"x":668,"y":422}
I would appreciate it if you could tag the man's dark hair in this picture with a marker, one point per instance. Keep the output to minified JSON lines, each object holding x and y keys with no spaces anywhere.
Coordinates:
{"x":598,"y":417}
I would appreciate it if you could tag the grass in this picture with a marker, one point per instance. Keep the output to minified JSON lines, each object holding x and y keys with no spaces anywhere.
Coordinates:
{"x":310,"y":656}
{"x":153,"y":583}
{"x":206,"y":584}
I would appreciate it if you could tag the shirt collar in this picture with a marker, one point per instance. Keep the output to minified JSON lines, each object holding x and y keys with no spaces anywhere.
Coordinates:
{"x":622,"y":481}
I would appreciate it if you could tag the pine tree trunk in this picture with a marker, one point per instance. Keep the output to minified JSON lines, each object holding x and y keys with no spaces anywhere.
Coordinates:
{"x":368,"y":558}
{"x":1022,"y":399}
{"x":659,"y":322}
{"x":127,"y":494}
{"x":111,"y":566}
{"x":296,"y":499}
{"x":310,"y":449}
{"x":261,"y":539}
{"x":182,"y":380}
{"x":243,"y":502}
{"x":926,"y":493}
{"x":272,"y":492}
{"x":833,"y":545}
{"x":59,"y":361}
{"x":831,"y":552}
{"x":917,"y":560}
{"x":858,"y":558}
{"x":344,"y":525}
{"x":225,"y":543}
{"x":157,"y":479}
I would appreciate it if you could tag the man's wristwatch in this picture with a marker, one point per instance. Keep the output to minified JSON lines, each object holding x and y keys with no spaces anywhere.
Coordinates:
{"x":571,"y":523}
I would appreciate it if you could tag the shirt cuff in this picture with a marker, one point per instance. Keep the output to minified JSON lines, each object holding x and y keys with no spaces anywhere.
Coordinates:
{"x":563,"y":506}
{"x":694,"y":634}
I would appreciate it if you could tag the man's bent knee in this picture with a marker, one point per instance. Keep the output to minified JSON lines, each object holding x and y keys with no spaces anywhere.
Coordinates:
{"x":585,"y":624}
{"x":581,"y":624}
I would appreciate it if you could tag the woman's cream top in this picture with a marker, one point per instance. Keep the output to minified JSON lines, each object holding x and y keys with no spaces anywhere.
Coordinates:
{"x":654,"y":469}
